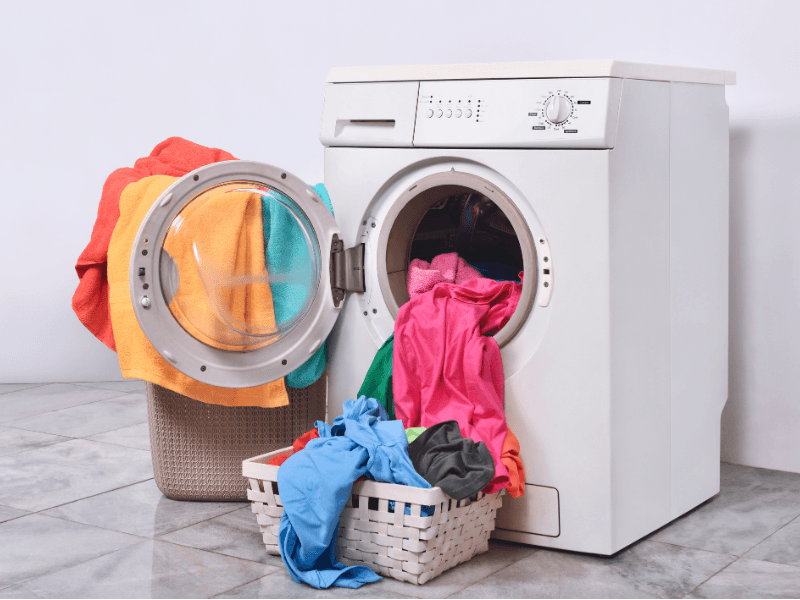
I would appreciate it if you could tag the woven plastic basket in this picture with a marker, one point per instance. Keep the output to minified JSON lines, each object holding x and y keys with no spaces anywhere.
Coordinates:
{"x":198,"y":448}
{"x":409,"y":547}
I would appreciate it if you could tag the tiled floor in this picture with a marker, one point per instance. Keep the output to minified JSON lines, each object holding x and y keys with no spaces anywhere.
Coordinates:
{"x":80,"y":516}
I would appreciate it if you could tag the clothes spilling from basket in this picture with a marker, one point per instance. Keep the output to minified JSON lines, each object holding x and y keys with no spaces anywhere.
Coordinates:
{"x":429,"y":413}
{"x":266,"y":235}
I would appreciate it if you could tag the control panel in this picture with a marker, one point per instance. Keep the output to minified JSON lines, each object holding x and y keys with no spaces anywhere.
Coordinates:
{"x":518,"y":113}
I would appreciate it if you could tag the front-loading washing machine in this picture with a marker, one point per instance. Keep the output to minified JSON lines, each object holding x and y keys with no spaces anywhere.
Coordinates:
{"x":606,"y":182}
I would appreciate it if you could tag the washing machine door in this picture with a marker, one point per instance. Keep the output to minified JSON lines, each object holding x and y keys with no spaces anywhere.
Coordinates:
{"x":238,"y":274}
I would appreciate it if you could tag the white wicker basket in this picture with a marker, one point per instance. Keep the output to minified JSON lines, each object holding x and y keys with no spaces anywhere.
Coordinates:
{"x":408,"y":547}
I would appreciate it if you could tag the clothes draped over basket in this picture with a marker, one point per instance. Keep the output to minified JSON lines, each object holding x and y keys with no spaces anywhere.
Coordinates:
{"x":315,"y":484}
{"x":174,"y":157}
{"x":138,"y":359}
{"x":102,"y":300}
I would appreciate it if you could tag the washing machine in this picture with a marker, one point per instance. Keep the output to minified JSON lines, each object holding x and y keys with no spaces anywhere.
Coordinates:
{"x":606,"y":182}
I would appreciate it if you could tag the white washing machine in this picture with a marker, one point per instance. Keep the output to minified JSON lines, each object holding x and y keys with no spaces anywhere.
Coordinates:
{"x":609,"y":181}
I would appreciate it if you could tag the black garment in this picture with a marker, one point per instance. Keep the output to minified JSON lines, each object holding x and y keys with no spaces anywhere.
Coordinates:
{"x":457,"y":465}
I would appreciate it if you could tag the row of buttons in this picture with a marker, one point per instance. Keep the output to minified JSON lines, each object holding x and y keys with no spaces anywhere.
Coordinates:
{"x":449,"y":113}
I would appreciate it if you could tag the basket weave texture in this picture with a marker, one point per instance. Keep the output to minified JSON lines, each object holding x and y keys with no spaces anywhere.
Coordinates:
{"x":409,"y":547}
{"x":198,"y":448}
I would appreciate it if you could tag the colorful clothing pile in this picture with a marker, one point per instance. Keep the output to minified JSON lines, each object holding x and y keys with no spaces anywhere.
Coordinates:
{"x":315,"y":484}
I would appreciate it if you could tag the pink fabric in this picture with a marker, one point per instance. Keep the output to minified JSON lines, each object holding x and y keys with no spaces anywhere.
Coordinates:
{"x":444,"y":366}
{"x":445,"y":268}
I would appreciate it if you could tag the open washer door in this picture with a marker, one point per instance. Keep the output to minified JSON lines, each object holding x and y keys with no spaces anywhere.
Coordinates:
{"x":238,"y":274}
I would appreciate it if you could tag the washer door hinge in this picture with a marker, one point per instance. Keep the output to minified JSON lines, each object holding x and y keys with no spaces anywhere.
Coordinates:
{"x":347,"y":269}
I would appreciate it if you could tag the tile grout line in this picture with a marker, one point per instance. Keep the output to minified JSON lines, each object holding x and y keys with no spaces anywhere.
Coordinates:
{"x":8,"y":424}
{"x":692,"y":548}
{"x":70,"y":439}
{"x":24,"y":581}
{"x":122,"y":487}
{"x":711,"y":576}
{"x":91,"y":387}
{"x":198,"y":523}
{"x":512,"y":563}
{"x":33,"y":387}
{"x":4,"y":423}
{"x":769,"y":536}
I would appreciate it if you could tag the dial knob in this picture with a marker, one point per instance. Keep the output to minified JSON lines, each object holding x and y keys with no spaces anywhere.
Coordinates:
{"x":449,"y":113}
{"x":439,"y":113}
{"x":468,"y":114}
{"x":430,"y":113}
{"x":458,"y":113}
{"x":557,"y":109}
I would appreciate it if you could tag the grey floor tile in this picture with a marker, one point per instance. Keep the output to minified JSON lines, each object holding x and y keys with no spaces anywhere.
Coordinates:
{"x":135,"y":436}
{"x":233,"y":534}
{"x":280,"y":585}
{"x":7,"y":513}
{"x":35,"y":545}
{"x":129,"y":385}
{"x":152,"y":569}
{"x":65,"y":472}
{"x":771,"y":480}
{"x":44,"y":398}
{"x":88,"y":419}
{"x":140,"y":509}
{"x":749,"y":509}
{"x":14,"y":440}
{"x":752,"y":579}
{"x":6,"y":388}
{"x":646,"y":570}
{"x":783,"y":546}
{"x":499,"y":556}
{"x":728,"y":471}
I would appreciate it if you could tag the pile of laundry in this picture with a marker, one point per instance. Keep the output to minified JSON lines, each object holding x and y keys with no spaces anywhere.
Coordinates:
{"x":102,"y":300}
{"x":429,"y":413}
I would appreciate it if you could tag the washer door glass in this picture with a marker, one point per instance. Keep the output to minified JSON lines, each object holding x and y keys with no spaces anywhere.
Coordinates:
{"x":240,"y":266}
{"x":231,"y":274}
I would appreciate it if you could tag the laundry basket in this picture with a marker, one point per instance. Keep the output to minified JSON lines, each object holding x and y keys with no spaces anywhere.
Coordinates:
{"x":414,"y":547}
{"x":198,"y":448}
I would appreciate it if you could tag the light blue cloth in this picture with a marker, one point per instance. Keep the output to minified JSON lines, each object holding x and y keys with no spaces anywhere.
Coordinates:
{"x":316,"y":482}
{"x":286,"y":252}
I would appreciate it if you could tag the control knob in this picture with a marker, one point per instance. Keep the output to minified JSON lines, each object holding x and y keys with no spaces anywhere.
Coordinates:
{"x":557,"y":109}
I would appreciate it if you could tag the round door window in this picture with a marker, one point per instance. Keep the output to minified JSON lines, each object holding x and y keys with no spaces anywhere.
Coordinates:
{"x":240,"y":266}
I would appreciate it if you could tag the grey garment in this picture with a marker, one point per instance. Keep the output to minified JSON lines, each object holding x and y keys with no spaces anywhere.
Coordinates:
{"x":457,"y":465}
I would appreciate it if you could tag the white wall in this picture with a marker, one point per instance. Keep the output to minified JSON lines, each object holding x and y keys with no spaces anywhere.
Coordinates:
{"x":87,"y":87}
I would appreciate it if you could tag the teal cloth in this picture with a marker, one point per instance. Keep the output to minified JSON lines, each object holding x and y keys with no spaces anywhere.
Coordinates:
{"x":286,"y":252}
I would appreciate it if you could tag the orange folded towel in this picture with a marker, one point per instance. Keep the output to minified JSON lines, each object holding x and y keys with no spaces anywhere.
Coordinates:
{"x":137,"y":357}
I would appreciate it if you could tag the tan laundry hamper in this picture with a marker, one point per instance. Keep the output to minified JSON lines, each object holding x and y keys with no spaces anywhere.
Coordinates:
{"x":198,"y":448}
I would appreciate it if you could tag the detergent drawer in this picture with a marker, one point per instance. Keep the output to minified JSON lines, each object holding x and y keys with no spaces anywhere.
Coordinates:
{"x":537,"y":512}
{"x":369,"y":114}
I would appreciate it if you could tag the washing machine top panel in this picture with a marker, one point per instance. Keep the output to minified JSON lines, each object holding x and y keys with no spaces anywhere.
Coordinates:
{"x":533,"y":70}
{"x":231,"y":274}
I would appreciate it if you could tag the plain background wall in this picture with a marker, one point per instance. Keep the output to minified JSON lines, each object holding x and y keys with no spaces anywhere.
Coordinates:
{"x":88,"y":87}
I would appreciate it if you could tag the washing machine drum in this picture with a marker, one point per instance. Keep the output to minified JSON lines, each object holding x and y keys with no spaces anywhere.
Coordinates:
{"x":232,"y":271}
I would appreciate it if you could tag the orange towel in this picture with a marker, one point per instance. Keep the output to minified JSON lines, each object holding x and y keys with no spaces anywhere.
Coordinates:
{"x":174,"y":157}
{"x":512,"y":461}
{"x":137,"y":357}
{"x":229,"y":291}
